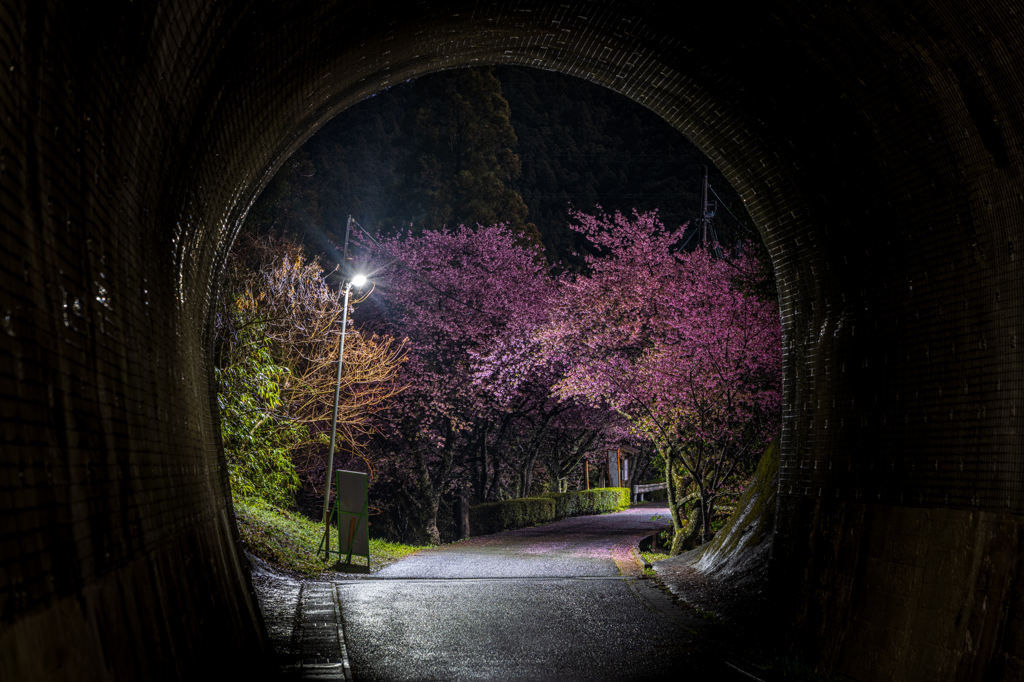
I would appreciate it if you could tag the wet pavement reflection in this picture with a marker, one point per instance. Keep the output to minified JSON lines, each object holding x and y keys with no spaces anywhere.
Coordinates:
{"x":564,"y":601}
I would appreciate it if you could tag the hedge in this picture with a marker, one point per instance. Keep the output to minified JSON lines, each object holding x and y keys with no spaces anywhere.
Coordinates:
{"x":494,"y":517}
{"x":596,"y":501}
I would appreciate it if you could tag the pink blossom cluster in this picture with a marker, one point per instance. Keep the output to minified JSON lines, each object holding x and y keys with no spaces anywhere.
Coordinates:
{"x":667,"y":337}
{"x":514,"y":371}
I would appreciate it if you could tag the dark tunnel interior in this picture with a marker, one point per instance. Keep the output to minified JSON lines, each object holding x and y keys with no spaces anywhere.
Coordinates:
{"x":879,"y":148}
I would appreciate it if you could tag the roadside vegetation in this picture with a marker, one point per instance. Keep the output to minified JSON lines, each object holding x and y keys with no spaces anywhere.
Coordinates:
{"x":288,"y":540}
{"x":650,"y":556}
{"x":494,"y":517}
{"x":503,"y":345}
{"x":656,"y":547}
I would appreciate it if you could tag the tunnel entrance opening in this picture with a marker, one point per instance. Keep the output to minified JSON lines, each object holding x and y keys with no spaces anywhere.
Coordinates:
{"x":133,"y":150}
{"x":378,"y":158}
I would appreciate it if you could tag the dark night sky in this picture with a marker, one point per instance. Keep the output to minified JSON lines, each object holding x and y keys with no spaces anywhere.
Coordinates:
{"x":579,"y":145}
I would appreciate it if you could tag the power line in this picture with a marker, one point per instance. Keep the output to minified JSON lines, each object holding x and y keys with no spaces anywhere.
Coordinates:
{"x":738,"y":221}
{"x":693,"y":232}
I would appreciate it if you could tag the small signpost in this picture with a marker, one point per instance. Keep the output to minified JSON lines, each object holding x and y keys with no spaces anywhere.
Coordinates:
{"x":351,"y":514}
{"x":618,"y":466}
{"x":614,"y":468}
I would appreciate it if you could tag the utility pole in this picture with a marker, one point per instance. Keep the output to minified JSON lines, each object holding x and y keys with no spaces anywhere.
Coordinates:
{"x":344,"y":254}
{"x":704,"y":209}
{"x":347,"y":284}
{"x":337,"y":395}
{"x":706,"y":213}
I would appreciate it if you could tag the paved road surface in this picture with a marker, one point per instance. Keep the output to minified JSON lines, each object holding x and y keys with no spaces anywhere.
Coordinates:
{"x":562,"y":602}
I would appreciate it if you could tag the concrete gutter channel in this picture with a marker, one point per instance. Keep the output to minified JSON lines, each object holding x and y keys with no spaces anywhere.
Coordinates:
{"x":492,"y":607}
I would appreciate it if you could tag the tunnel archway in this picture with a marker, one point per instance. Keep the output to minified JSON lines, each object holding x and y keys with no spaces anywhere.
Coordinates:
{"x":879,"y":150}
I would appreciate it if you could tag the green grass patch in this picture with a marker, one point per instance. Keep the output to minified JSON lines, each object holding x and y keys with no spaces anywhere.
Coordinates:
{"x":704,"y":614}
{"x":651,"y":557}
{"x":289,"y":540}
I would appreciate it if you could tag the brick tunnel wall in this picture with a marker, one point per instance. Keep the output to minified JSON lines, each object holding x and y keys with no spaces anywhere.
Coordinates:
{"x":879,"y":150}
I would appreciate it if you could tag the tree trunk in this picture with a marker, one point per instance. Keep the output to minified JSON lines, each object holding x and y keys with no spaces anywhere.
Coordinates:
{"x":462,"y":514}
{"x":528,"y":474}
{"x":673,"y":494}
{"x":426,"y":526}
{"x":481,"y":491}
{"x":425,"y":504}
{"x":428,"y":489}
{"x":706,"y":512}
{"x":494,"y":488}
{"x":688,"y":539}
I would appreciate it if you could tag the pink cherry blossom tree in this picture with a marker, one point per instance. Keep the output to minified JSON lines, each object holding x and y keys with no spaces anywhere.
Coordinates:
{"x":671,"y":341}
{"x":457,"y":296}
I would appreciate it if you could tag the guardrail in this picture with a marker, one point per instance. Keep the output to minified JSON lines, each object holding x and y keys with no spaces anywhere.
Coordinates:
{"x":639,"y":490}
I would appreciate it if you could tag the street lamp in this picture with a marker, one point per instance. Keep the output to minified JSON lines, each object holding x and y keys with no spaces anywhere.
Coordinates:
{"x":358,"y":281}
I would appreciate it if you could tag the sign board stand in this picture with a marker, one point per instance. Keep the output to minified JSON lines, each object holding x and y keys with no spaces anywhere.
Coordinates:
{"x":614,"y":469}
{"x":618,"y":466}
{"x":351,"y":514}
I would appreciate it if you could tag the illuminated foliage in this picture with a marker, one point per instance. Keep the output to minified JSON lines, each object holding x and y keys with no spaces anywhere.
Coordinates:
{"x":277,"y":338}
{"x":671,"y":340}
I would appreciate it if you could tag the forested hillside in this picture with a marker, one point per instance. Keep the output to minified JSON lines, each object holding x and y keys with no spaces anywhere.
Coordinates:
{"x":476,"y":371}
{"x":583,"y":145}
{"x":508,"y":144}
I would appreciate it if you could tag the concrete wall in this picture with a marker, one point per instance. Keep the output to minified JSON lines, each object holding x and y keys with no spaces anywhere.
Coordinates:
{"x":878,"y":146}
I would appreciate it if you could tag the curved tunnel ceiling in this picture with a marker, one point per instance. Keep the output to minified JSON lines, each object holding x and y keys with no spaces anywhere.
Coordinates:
{"x":879,"y":149}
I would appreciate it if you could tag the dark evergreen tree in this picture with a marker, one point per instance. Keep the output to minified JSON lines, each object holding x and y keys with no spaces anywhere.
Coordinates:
{"x":460,"y":155}
{"x":484,"y":145}
{"x":349,"y":167}
{"x":583,"y":145}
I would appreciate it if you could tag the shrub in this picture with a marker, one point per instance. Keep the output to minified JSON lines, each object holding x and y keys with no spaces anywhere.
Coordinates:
{"x":494,"y":517}
{"x":596,"y":501}
{"x":656,"y":496}
{"x":257,"y":442}
{"x":288,"y":540}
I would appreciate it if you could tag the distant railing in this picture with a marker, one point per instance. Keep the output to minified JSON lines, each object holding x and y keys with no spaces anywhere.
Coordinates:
{"x":639,"y":490}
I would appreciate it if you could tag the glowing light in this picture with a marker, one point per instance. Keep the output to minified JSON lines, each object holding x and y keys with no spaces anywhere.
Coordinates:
{"x":359,"y":280}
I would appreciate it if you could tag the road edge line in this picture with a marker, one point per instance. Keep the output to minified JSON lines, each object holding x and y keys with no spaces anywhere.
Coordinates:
{"x":342,"y":642}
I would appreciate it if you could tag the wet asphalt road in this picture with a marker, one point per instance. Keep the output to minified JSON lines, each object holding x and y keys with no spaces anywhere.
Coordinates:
{"x":563,"y":601}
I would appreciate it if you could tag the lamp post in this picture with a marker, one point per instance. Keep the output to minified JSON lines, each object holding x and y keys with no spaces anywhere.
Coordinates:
{"x":359,"y":281}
